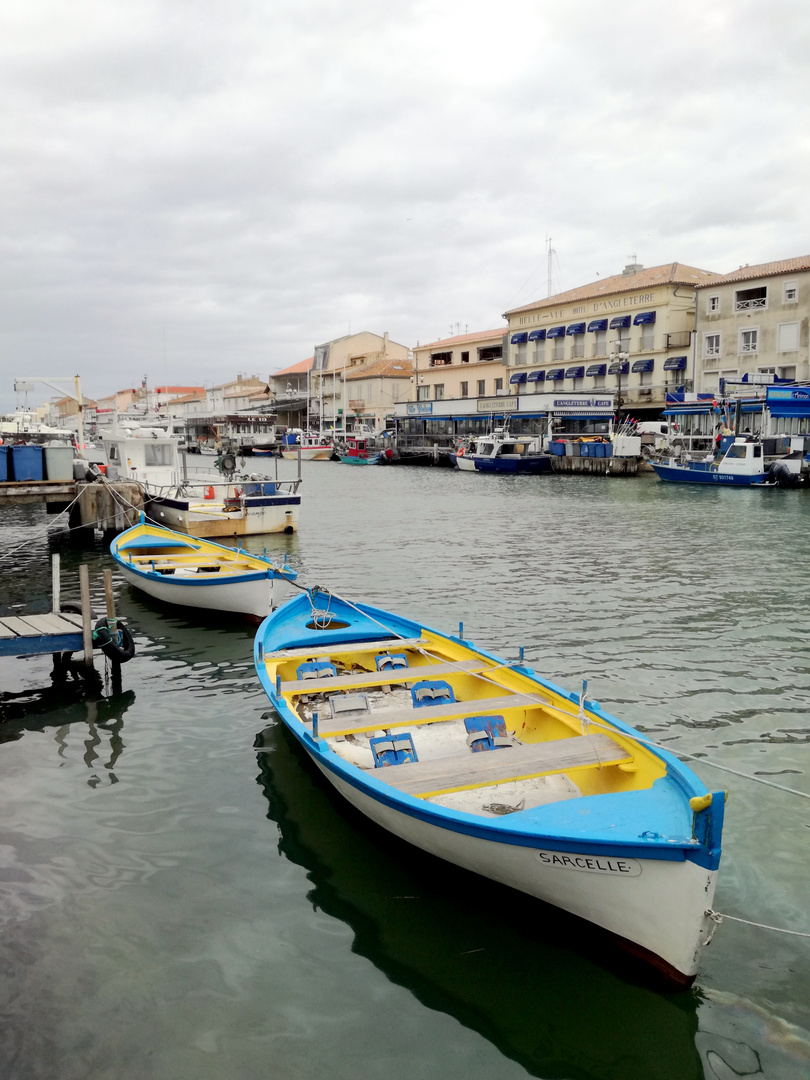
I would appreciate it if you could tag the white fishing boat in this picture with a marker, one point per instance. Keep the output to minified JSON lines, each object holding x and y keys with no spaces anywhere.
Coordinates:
{"x":194,"y":573}
{"x":212,"y":499}
{"x":310,"y":447}
{"x":502,"y":452}
{"x":494,"y":768}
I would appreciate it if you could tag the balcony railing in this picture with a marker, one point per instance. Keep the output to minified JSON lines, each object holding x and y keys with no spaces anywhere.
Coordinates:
{"x":751,"y":305}
{"x":357,"y":404}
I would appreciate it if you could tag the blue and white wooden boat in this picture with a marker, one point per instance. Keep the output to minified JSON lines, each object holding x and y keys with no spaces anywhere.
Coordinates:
{"x":191,"y":572}
{"x":504,"y":453}
{"x":494,"y":768}
{"x":742,"y":465}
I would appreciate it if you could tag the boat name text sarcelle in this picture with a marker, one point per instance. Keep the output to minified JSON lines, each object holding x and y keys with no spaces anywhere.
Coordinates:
{"x":591,"y":864}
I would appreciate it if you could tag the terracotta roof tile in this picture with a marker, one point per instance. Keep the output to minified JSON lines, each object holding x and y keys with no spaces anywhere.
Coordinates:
{"x":391,"y":367}
{"x":294,"y":369}
{"x":668,"y":274}
{"x":745,"y":273}
{"x":482,"y":335}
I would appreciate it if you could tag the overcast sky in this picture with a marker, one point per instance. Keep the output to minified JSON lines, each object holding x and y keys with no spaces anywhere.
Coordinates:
{"x":190,"y":189}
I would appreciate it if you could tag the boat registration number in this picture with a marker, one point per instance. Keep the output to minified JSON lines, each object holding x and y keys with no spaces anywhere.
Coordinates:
{"x":590,"y":864}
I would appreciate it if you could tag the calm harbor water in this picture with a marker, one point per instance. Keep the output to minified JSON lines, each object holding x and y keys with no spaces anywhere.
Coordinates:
{"x":174,"y":905}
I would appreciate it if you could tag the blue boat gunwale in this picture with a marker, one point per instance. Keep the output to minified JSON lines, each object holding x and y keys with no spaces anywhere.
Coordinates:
{"x":496,"y":830}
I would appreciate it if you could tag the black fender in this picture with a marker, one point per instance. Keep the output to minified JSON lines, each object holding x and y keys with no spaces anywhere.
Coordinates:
{"x":118,"y":651}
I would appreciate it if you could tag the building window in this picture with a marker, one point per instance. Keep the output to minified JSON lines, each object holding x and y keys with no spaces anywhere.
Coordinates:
{"x":788,"y":373}
{"x":751,"y":299}
{"x":788,"y":337}
{"x":439,"y":359}
{"x":600,"y":343}
{"x":539,"y":351}
{"x":599,"y":382}
{"x":791,"y":292}
{"x":423,"y":393}
{"x":711,"y":345}
{"x":482,"y":387}
{"x":520,"y":355}
{"x":647,"y":336}
{"x":578,"y":346}
{"x":559,"y":348}
{"x":491,"y":352}
{"x":712,"y":305}
{"x":749,"y":341}
{"x":438,"y":391}
{"x":498,"y":385}
{"x":465,"y":389}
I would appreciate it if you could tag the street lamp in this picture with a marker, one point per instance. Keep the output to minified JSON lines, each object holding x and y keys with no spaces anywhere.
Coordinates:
{"x":622,"y":356}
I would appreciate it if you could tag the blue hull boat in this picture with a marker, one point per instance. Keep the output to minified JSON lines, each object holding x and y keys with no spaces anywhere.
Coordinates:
{"x":490,"y":766}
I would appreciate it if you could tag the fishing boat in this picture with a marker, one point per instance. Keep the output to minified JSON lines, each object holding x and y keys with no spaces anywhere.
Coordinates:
{"x":195,"y":573}
{"x":494,"y":768}
{"x":743,"y":464}
{"x":310,"y":447}
{"x":357,"y":452}
{"x":504,"y":453}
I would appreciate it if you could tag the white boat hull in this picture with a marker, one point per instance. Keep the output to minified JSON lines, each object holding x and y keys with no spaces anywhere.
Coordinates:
{"x":465,"y":463}
{"x":204,"y":518}
{"x":308,"y":453}
{"x":256,"y":597}
{"x":659,"y":912}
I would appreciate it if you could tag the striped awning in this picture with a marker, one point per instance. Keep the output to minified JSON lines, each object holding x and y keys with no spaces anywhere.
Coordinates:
{"x":675,"y":363}
{"x":575,"y":328}
{"x":554,"y":373}
{"x":575,"y":372}
{"x":644,"y":317}
{"x":597,"y":324}
{"x":555,"y":331}
{"x":519,"y":339}
{"x":537,"y":335}
{"x":619,"y":367}
{"x":537,"y":376}
{"x":518,"y":377}
{"x":596,"y":369}
{"x":619,"y":322}
{"x":643,"y":365}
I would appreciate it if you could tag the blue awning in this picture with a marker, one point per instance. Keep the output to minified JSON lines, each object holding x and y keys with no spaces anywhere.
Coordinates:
{"x":596,"y":369}
{"x":576,"y":328}
{"x":554,"y":373}
{"x":518,"y":377}
{"x":537,"y":335}
{"x":643,"y":365}
{"x":575,"y":372}
{"x":556,"y":331}
{"x":519,"y":339}
{"x":537,"y":376}
{"x":644,"y":317}
{"x":619,"y":367}
{"x":597,"y":324}
{"x":689,"y":410}
{"x":675,"y":363}
{"x":619,"y":321}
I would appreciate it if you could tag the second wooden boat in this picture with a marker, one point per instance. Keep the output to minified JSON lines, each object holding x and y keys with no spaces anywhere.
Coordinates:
{"x":190,"y":572}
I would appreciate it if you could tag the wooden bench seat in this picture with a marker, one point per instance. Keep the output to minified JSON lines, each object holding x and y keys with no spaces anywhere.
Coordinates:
{"x":360,"y":679}
{"x":315,"y":649}
{"x":407,"y":716}
{"x":518,"y":762}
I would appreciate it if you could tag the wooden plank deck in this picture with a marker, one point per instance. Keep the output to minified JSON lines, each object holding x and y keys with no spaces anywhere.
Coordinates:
{"x":315,"y":650}
{"x":407,"y":716}
{"x":382,"y":678}
{"x":491,"y":767}
{"x":30,"y":635}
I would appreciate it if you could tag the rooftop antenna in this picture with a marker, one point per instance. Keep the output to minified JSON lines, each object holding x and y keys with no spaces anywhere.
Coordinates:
{"x":550,"y":263}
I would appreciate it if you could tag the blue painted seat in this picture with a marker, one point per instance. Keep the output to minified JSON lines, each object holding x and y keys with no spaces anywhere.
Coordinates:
{"x":431,"y":692}
{"x":486,"y":733}
{"x":315,"y":669}
{"x":392,"y":749}
{"x":389,"y":662}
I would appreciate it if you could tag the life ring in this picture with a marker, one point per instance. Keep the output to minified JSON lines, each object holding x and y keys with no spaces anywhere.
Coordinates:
{"x":117,"y":651}
{"x":460,"y":452}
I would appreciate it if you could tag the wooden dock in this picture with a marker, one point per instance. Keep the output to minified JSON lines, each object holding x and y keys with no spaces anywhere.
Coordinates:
{"x":111,"y":507}
{"x":32,"y":635}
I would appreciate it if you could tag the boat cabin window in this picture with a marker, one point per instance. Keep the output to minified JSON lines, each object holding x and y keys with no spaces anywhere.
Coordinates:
{"x":485,"y":448}
{"x":736,"y":451}
{"x":757,"y":451}
{"x":157,"y":454}
{"x":113,"y":453}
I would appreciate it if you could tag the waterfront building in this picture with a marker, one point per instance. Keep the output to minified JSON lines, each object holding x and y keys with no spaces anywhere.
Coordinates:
{"x":341,"y":394}
{"x":629,"y":334}
{"x":753,"y":322}
{"x":465,"y":366}
{"x":290,"y":390}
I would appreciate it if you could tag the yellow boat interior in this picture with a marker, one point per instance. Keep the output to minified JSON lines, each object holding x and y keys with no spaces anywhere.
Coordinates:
{"x":461,"y":728}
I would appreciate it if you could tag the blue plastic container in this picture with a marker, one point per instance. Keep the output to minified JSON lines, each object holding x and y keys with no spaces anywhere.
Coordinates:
{"x":268,"y":489}
{"x":585,"y":450}
{"x":3,"y":464}
{"x":599,"y":447}
{"x":26,"y":462}
{"x":608,"y":449}
{"x":558,"y":448}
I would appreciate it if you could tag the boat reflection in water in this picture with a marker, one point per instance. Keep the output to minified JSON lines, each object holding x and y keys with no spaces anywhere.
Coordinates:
{"x":499,"y":962}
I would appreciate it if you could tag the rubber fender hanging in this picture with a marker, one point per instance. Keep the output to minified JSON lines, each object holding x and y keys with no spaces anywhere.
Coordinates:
{"x":118,"y":652}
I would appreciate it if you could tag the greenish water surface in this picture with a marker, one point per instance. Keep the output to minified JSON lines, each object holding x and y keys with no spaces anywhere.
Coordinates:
{"x":174,"y":905}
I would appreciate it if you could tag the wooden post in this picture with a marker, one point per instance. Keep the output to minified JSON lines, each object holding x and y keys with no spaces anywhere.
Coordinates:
{"x":112,"y":624}
{"x":55,"y":583}
{"x":87,"y":622}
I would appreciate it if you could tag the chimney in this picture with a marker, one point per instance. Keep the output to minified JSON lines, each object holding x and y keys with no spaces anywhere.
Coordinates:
{"x":632,"y":268}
